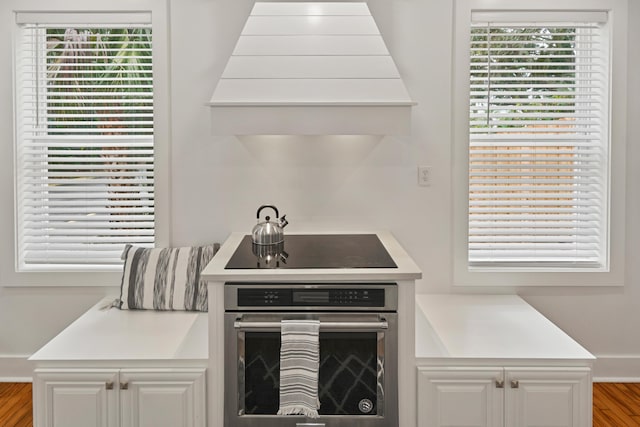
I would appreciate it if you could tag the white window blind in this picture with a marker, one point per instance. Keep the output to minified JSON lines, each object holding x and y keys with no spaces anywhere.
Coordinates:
{"x":538,"y":147}
{"x":85,"y":152}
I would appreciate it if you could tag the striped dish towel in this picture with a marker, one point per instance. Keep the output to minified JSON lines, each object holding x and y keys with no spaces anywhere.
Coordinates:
{"x":299,"y":362}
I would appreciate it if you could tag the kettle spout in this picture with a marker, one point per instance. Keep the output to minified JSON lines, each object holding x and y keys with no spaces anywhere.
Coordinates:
{"x":283,"y":221}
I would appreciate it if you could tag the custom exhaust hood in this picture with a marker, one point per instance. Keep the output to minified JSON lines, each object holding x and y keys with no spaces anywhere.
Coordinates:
{"x":311,"y":68}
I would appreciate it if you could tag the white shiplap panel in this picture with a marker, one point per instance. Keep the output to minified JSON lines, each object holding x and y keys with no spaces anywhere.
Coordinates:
{"x":310,"y":25}
{"x":311,"y":45}
{"x":310,"y":8}
{"x":310,"y":91}
{"x":311,"y":67}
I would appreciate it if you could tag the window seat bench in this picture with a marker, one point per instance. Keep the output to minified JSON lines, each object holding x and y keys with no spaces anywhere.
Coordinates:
{"x":116,"y":367}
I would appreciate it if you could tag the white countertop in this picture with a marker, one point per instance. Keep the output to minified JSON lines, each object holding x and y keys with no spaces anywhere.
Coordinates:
{"x":133,"y":335}
{"x":448,"y":327}
{"x":499,"y":327}
{"x":406,"y":270}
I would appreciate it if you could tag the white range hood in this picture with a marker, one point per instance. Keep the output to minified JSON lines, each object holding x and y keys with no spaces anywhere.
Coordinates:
{"x":311,"y":68}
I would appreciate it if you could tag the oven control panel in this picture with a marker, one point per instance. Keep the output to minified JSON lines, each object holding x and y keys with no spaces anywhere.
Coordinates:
{"x":325,"y":297}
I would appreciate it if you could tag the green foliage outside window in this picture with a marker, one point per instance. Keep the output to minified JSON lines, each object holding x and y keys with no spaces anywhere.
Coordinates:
{"x":526,"y":65}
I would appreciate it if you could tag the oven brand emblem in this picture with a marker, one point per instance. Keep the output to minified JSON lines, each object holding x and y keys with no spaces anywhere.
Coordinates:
{"x":365,"y":406}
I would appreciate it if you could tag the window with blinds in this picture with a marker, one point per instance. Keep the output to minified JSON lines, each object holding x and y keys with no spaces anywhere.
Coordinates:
{"x":85,"y":151}
{"x":539,"y":140}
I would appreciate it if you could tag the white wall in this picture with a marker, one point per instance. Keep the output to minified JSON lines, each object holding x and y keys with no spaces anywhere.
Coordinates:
{"x":337,"y":183}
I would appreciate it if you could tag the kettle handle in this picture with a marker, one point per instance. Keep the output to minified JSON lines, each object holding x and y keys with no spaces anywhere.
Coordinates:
{"x":267,"y":206}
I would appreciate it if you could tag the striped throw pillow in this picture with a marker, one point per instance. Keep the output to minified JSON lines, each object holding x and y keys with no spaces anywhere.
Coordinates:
{"x":165,"y":278}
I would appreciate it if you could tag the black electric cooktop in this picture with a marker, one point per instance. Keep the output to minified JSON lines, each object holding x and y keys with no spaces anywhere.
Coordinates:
{"x":314,"y":251}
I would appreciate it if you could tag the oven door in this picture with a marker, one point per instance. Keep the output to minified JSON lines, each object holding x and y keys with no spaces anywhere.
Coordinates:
{"x":357,"y":378}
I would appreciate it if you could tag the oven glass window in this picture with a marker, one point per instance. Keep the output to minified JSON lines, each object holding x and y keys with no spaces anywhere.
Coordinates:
{"x":347,"y":377}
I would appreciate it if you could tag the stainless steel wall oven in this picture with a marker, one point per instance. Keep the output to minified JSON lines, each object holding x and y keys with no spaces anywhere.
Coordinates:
{"x":357,"y":379}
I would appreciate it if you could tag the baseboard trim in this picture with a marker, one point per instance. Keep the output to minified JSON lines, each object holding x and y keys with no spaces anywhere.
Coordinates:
{"x":15,"y":368}
{"x":616,"y":368}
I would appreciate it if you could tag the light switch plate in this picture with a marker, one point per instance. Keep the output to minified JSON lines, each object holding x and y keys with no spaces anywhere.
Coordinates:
{"x":424,"y":176}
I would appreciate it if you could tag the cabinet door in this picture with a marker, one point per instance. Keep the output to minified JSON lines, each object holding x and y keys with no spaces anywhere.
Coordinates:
{"x":457,"y":397}
{"x":163,"y":398}
{"x":548,"y":397}
{"x":73,"y":398}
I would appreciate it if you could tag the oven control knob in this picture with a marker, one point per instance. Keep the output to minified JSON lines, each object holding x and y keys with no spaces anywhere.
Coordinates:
{"x":365,"y":406}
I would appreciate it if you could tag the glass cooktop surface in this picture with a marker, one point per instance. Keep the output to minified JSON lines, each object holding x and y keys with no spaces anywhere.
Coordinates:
{"x":313,"y":251}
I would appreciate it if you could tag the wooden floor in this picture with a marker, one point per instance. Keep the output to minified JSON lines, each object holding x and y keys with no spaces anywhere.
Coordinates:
{"x":15,"y":405}
{"x":614,"y":405}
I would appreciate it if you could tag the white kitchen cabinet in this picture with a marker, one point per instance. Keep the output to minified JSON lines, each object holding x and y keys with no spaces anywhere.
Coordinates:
{"x":504,"y":397}
{"x":124,"y":368}
{"x":457,"y":397}
{"x":75,"y":398}
{"x":172,"y":398}
{"x":119,"y":398}
{"x":495,"y":361}
{"x":547,"y":397}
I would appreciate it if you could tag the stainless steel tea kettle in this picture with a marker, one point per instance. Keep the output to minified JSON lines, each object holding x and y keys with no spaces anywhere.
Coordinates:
{"x":268,"y":232}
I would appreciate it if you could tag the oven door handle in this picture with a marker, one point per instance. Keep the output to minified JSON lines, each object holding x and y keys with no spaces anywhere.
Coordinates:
{"x":239,"y":324}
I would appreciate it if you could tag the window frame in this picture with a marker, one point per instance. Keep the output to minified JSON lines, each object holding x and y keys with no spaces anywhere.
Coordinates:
{"x":500,"y":275}
{"x":11,"y":276}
